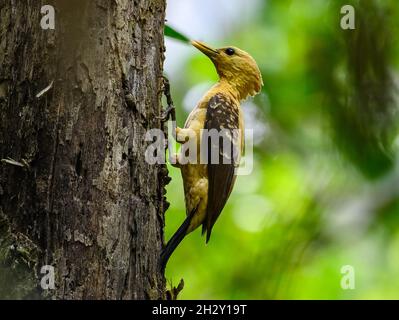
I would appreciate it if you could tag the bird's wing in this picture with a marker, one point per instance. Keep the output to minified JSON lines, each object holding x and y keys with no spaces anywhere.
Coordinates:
{"x":222,"y":118}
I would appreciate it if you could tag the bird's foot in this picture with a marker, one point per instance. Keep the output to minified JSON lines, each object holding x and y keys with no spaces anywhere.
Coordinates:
{"x":167,"y":114}
{"x":170,"y":111}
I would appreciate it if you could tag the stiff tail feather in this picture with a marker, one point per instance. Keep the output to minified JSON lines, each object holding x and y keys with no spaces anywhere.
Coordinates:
{"x":175,"y":241}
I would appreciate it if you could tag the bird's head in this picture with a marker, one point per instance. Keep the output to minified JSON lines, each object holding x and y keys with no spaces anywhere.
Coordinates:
{"x":236,"y":66}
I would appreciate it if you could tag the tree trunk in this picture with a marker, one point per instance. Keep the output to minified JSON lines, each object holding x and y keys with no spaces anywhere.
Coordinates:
{"x":75,"y":190}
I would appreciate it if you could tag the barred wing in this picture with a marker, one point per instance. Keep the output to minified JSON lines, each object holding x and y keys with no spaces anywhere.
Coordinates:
{"x":223,"y":145}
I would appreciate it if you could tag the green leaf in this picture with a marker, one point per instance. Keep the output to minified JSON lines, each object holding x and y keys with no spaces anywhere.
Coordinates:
{"x":172,"y":33}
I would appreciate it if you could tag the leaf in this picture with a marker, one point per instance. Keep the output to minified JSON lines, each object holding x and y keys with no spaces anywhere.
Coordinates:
{"x":172,"y":33}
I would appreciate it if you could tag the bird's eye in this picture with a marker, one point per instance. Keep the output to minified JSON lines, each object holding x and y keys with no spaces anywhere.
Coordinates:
{"x":229,"y":51}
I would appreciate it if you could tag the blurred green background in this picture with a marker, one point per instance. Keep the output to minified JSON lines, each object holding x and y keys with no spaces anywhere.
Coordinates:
{"x":324,"y":189}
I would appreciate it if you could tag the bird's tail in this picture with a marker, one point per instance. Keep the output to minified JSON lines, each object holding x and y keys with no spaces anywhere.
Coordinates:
{"x":174,"y":242}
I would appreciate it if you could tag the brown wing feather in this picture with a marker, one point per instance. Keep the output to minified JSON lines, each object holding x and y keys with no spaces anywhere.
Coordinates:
{"x":222,"y":115}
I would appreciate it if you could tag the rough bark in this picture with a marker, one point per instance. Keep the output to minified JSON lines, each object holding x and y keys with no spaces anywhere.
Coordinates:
{"x":84,"y":201}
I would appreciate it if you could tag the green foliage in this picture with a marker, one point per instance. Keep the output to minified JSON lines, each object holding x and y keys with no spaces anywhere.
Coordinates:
{"x":323,"y":192}
{"x":172,"y":33}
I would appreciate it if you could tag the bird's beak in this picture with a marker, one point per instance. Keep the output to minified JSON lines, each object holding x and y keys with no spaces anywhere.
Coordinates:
{"x":205,"y":49}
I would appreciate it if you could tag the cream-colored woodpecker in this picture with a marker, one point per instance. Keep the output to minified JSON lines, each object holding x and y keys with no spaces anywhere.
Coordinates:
{"x":207,"y":185}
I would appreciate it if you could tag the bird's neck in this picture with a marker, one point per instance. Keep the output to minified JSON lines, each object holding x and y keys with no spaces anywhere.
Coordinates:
{"x":238,"y":90}
{"x":223,"y":85}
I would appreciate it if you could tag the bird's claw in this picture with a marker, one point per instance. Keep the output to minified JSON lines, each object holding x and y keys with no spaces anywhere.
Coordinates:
{"x":166,"y":114}
{"x":170,"y":111}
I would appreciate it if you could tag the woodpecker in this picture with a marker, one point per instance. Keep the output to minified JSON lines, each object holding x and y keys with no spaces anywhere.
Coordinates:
{"x":207,"y":186}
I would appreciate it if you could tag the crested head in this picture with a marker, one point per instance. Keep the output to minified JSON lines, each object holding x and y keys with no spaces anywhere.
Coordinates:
{"x":236,"y":67}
